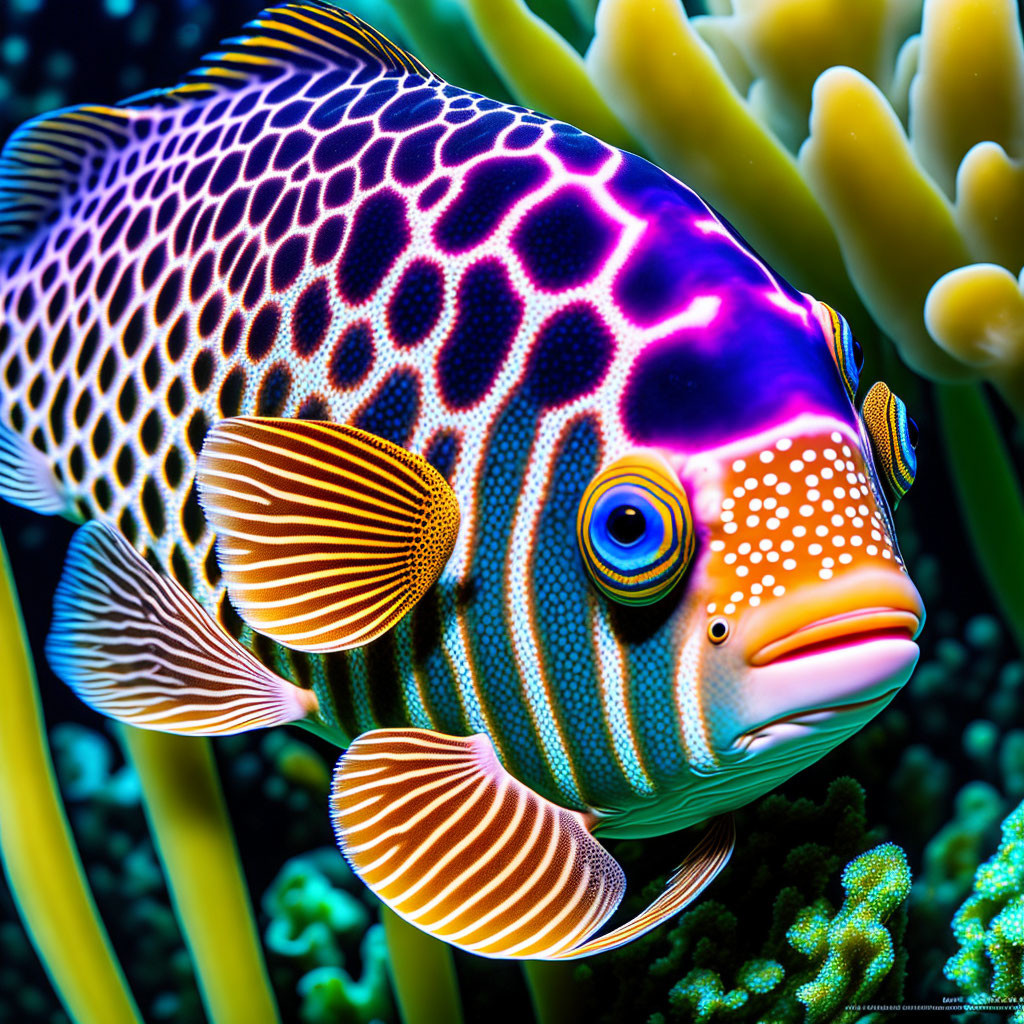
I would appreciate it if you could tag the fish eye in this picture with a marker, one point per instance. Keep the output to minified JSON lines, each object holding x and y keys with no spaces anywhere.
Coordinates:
{"x":846,"y":349}
{"x":718,"y":630}
{"x":635,"y":530}
{"x":894,"y":436}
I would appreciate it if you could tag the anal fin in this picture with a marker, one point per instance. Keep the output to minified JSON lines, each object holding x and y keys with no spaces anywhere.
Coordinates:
{"x":135,"y":646}
{"x":27,"y":478}
{"x":451,"y":842}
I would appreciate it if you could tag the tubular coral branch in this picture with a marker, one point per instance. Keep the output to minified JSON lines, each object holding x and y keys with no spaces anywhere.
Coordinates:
{"x":196,"y":843}
{"x":422,"y":972}
{"x":38,"y":853}
{"x":989,"y":494}
{"x":541,"y":69}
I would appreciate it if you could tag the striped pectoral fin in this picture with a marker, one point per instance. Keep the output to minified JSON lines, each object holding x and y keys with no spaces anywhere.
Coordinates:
{"x":326,"y":535}
{"x":455,"y":845}
{"x":702,"y":864}
{"x":134,"y":645}
{"x":27,"y":478}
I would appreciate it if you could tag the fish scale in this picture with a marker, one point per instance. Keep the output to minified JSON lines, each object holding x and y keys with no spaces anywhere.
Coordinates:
{"x":313,"y":226}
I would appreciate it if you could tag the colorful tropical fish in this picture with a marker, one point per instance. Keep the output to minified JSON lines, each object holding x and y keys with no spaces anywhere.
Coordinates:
{"x":530,"y":482}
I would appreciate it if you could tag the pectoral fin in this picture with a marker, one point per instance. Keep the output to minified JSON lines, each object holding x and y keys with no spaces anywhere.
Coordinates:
{"x":326,"y":535}
{"x":134,"y":645}
{"x":454,"y":844}
{"x":26,"y":476}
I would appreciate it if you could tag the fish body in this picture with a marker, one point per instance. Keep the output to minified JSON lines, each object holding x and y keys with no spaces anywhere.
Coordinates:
{"x":312,"y":226}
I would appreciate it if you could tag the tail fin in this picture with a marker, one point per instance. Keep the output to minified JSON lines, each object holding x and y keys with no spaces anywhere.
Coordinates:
{"x":134,"y":645}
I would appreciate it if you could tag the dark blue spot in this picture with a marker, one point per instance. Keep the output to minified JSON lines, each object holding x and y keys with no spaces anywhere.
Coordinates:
{"x":184,"y":228}
{"x":154,"y":265}
{"x":209,"y":140}
{"x":415,"y":158}
{"x":522,"y":136}
{"x":109,"y":236}
{"x":273,"y":391}
{"x":416,"y":303}
{"x":483,"y":105}
{"x":259,"y":157}
{"x":309,"y":207}
{"x":242,"y":264}
{"x":232,"y":211}
{"x":167,"y":299}
{"x":475,"y":138}
{"x":202,"y":275}
{"x":340,"y":187}
{"x":564,"y":240}
{"x":373,"y":163}
{"x":226,"y":174}
{"x":323,"y":84}
{"x":243,"y":106}
{"x":313,"y":408}
{"x":570,"y":357}
{"x":328,"y":240}
{"x":231,"y":335}
{"x":374,"y":98}
{"x":256,"y":285}
{"x":442,"y":451}
{"x":217,"y":111}
{"x":291,"y":114}
{"x":210,"y":316}
{"x":254,"y":126}
{"x":410,"y":109}
{"x":294,"y":146}
{"x":490,"y":190}
{"x":263,"y":332}
{"x":578,"y":152}
{"x":263,"y":199}
{"x":352,"y":357}
{"x":166,"y":213}
{"x":379,"y":234}
{"x":328,"y":113}
{"x":433,"y":193}
{"x":287,"y":263}
{"x":286,"y":89}
{"x":311,"y":317}
{"x":202,"y":228}
{"x":284,"y":214}
{"x":459,"y":116}
{"x":341,"y":145}
{"x":138,"y":229}
{"x":391,"y":413}
{"x":487,"y":316}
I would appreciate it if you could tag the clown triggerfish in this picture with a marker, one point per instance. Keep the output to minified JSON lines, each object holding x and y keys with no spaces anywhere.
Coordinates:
{"x":485,"y":449}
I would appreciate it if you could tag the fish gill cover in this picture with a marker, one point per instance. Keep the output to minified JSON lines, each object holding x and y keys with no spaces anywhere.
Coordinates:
{"x":871,"y":157}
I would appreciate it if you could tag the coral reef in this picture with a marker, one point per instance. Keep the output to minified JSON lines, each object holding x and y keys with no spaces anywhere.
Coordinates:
{"x":793,"y":957}
{"x":989,"y":927}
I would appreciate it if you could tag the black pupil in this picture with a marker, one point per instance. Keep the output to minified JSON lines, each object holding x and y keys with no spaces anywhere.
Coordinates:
{"x":912,"y":432}
{"x":718,"y":630}
{"x":626,"y":525}
{"x":858,"y":355}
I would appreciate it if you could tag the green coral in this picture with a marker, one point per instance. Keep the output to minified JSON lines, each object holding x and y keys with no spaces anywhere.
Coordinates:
{"x":989,"y":927}
{"x":319,"y":926}
{"x":791,"y":944}
{"x":858,"y":948}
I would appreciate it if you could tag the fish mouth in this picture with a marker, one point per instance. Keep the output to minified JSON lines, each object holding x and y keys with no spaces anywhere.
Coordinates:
{"x":838,"y":631}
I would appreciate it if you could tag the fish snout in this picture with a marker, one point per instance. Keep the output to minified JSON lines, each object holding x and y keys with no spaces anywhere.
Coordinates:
{"x":858,"y":607}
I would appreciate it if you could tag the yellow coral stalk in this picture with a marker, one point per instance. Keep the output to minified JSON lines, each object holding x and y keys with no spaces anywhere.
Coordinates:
{"x":541,"y":69}
{"x":196,"y":843}
{"x":422,"y":973}
{"x":38,"y":852}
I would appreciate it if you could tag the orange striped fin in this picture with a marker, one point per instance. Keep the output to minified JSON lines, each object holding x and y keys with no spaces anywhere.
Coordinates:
{"x":134,"y":645}
{"x":702,"y":864}
{"x":326,"y":535}
{"x":452,"y":843}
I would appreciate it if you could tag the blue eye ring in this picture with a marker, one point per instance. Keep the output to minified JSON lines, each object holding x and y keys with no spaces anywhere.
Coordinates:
{"x":893,"y":437}
{"x":635,"y":530}
{"x":845,"y":348}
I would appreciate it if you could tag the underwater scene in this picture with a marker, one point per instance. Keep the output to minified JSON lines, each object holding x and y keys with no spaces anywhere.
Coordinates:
{"x":513,"y":511}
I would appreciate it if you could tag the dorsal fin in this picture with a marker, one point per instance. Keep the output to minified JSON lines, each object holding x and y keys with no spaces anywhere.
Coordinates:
{"x":46,"y":155}
{"x":311,"y":35}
